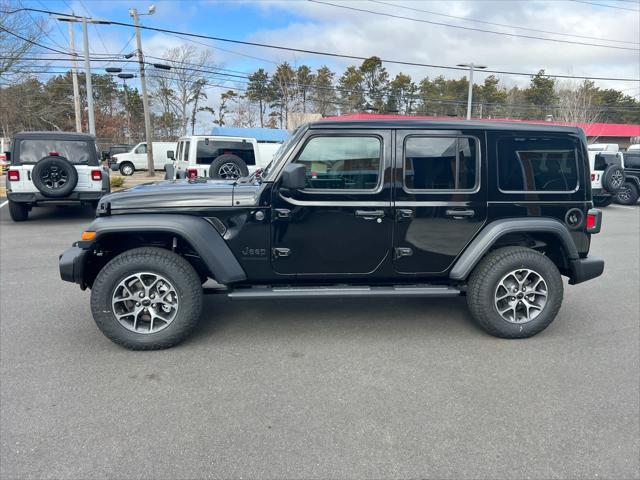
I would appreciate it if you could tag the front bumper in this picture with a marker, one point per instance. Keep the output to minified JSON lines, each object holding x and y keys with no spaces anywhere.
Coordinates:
{"x":71,"y":264}
{"x":583,"y":269}
{"x":37,"y":198}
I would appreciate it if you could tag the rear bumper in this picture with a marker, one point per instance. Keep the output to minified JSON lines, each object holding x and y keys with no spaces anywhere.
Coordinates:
{"x":71,"y":265}
{"x":38,"y":198}
{"x":584,"y":269}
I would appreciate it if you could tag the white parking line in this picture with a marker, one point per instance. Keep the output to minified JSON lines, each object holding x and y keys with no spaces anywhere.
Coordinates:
{"x":4,"y":203}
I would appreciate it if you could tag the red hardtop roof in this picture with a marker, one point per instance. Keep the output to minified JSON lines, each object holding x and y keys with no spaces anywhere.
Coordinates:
{"x":590,"y":129}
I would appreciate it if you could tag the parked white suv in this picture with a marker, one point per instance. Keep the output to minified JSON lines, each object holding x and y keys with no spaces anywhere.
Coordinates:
{"x":136,"y":159}
{"x":607,"y":174}
{"x":224,"y":156}
{"x":53,"y":168}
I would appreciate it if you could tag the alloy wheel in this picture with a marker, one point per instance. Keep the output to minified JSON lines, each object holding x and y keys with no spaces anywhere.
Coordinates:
{"x":520,"y":296}
{"x":145,"y":303}
{"x":229,"y":171}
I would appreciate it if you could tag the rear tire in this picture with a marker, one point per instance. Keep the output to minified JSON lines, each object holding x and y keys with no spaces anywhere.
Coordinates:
{"x":628,"y":194}
{"x":169,"y":270}
{"x":524,"y":312}
{"x":19,"y":212}
{"x":127,"y":169}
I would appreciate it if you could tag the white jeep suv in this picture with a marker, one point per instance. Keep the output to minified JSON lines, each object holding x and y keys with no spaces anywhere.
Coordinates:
{"x":53,"y":168}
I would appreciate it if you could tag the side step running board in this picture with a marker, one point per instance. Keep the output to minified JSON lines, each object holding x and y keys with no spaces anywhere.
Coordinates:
{"x":344,"y":292}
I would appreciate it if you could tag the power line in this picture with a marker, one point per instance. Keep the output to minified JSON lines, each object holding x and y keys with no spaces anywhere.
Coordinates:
{"x":395,"y":5}
{"x":32,"y":41}
{"x":605,"y":5}
{"x":339,"y":55}
{"x":517,"y":35}
{"x":169,"y":75}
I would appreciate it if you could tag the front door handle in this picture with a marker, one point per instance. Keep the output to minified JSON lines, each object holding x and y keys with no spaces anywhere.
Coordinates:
{"x":370,"y":214}
{"x":460,"y":214}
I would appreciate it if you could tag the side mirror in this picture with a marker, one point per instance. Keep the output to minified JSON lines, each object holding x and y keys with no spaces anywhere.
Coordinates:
{"x":294,"y":176}
{"x":170,"y":155}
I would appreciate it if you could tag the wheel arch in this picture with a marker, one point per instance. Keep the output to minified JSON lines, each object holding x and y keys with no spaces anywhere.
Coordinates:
{"x":195,"y":238}
{"x":546,"y":233}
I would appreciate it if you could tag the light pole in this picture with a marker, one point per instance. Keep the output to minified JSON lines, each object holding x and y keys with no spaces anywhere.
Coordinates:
{"x":124,"y":77}
{"x":471,"y":66}
{"x":87,"y":62}
{"x":143,"y":86}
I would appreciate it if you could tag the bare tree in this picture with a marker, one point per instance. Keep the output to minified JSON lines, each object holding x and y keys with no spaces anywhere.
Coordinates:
{"x":576,"y":102}
{"x":18,"y":32}
{"x":182,"y":85}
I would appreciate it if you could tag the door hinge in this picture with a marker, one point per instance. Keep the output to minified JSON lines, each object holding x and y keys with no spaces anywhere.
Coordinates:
{"x":281,"y":252}
{"x":403,"y":252}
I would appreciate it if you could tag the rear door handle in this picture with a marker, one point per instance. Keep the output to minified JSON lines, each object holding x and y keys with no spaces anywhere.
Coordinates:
{"x":458,"y":214}
{"x":370,"y":214}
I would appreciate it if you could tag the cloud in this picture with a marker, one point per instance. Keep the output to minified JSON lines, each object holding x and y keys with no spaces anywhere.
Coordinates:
{"x":339,"y":30}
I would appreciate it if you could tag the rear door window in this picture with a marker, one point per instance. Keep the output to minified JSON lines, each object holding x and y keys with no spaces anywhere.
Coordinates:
{"x":537,"y":164}
{"x":440,"y":163}
{"x":76,"y":151}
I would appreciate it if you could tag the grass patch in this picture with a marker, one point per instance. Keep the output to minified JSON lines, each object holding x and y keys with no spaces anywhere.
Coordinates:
{"x":116,"y":181}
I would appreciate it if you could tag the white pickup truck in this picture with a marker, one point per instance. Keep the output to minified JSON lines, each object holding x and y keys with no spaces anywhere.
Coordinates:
{"x":136,"y":159}
{"x":224,"y":156}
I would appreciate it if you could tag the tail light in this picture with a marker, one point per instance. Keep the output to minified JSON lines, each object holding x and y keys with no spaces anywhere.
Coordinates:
{"x":192,"y":173}
{"x":593,"y":177}
{"x":96,"y":175}
{"x":14,"y":176}
{"x":594,"y":220}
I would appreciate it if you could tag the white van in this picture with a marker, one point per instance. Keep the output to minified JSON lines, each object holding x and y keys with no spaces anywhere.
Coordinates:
{"x":136,"y":159}
{"x":226,"y":154}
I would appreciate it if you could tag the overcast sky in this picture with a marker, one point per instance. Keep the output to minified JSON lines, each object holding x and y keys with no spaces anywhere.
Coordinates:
{"x":314,"y":26}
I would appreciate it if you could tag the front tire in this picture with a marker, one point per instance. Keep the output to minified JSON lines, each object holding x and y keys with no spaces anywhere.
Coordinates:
{"x":125,"y":292}
{"x":19,"y":212}
{"x":127,"y":169}
{"x":514,"y":292}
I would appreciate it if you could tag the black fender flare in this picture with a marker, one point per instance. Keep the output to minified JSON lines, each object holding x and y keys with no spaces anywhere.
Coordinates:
{"x":197,"y":231}
{"x":481,"y":244}
{"x":633,"y":179}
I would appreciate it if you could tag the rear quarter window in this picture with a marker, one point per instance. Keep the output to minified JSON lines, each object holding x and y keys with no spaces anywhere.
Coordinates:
{"x":537,"y":164}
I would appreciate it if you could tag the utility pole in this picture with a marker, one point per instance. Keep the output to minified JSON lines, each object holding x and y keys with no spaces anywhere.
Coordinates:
{"x":87,"y":62}
{"x":471,"y":67}
{"x":143,"y":86}
{"x":87,"y":77}
{"x":74,"y":77}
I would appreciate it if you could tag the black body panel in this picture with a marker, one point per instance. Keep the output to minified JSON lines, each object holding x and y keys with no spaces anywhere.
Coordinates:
{"x":253,"y":232}
{"x":198,"y":232}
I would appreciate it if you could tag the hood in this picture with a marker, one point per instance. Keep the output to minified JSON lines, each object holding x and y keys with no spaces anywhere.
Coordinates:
{"x":170,"y":194}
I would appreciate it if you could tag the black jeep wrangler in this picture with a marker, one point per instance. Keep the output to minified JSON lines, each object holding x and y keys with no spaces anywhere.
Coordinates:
{"x":383,"y":208}
{"x":629,"y":192}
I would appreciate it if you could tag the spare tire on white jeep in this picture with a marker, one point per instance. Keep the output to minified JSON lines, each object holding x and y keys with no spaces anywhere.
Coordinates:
{"x":228,"y":167}
{"x":54,"y":176}
{"x":613,"y":178}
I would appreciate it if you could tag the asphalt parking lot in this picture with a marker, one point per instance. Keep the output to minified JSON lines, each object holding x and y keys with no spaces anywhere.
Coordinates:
{"x":317,"y":389}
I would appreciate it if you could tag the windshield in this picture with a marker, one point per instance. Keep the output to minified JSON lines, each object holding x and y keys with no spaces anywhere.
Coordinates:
{"x":76,"y":151}
{"x":280,"y":153}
